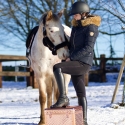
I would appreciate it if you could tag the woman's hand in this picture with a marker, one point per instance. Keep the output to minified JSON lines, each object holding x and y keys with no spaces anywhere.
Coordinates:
{"x":68,"y":59}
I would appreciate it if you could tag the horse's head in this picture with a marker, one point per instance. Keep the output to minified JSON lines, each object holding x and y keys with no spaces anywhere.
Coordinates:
{"x":55,"y":32}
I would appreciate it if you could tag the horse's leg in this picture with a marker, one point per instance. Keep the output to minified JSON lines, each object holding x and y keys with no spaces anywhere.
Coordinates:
{"x":42,"y":99}
{"x":56,"y":91}
{"x":49,"y":90}
{"x":67,"y":80}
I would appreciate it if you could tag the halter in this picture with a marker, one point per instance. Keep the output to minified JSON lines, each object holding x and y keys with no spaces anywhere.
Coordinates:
{"x":49,"y":44}
{"x":46,"y":42}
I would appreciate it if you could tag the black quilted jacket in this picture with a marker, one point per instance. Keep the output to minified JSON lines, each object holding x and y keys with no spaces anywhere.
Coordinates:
{"x":83,"y":39}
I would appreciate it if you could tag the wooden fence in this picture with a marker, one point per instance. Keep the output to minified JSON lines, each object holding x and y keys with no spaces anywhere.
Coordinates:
{"x":30,"y":74}
{"x":102,"y":70}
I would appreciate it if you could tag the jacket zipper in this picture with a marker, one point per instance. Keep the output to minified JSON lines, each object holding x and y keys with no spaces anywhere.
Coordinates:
{"x":73,"y":42}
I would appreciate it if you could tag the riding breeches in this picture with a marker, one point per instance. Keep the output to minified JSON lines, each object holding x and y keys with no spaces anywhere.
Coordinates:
{"x":77,"y":70}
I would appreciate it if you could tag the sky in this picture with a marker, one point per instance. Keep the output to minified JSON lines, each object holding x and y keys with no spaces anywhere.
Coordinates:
{"x":19,"y":104}
{"x":102,"y":44}
{"x":11,"y":45}
{"x":101,"y":47}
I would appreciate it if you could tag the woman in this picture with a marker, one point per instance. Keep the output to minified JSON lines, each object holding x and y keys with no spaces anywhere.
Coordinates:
{"x":83,"y":37}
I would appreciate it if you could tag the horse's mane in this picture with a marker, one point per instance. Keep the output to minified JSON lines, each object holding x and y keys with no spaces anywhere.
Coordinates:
{"x":54,"y":17}
{"x":42,"y":17}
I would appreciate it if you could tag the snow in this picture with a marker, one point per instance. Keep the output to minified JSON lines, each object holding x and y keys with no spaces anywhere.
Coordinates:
{"x":19,"y":104}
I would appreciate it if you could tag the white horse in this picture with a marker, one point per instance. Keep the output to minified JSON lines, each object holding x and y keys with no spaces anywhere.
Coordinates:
{"x":42,"y":60}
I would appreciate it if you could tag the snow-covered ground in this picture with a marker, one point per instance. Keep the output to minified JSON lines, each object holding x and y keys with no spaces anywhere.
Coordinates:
{"x":19,"y":104}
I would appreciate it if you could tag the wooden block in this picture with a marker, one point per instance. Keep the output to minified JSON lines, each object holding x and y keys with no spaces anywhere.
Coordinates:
{"x":71,"y":115}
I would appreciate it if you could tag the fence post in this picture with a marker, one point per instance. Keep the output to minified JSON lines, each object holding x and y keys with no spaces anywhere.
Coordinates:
{"x":102,"y":67}
{"x":118,"y":80}
{"x":31,"y":81}
{"x":16,"y":70}
{"x":86,"y":79}
{"x":0,"y":76}
{"x":30,"y":78}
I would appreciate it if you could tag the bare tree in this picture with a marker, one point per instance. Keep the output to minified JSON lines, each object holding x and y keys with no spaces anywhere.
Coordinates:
{"x":18,"y":17}
{"x":116,"y":9}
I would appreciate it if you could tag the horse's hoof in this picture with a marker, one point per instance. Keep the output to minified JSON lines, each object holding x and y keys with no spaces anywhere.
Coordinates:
{"x":41,"y":123}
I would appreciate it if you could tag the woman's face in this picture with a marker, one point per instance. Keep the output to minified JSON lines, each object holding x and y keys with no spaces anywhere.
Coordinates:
{"x":77,"y":16}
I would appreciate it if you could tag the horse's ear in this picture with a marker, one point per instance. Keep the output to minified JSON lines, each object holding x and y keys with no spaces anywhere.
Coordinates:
{"x":49,"y":15}
{"x":61,"y":12}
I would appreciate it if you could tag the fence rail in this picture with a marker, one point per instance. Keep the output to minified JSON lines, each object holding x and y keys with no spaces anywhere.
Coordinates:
{"x":6,"y":73}
{"x":102,"y":70}
{"x":12,"y":58}
{"x":30,"y":74}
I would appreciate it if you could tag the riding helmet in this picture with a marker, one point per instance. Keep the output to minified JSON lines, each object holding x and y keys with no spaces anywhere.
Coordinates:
{"x":78,"y":8}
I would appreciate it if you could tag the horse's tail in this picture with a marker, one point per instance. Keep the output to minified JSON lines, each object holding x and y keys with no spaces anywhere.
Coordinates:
{"x":29,"y":63}
{"x":29,"y":43}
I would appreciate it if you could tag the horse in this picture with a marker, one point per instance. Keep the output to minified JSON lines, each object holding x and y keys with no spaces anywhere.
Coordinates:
{"x":42,"y":59}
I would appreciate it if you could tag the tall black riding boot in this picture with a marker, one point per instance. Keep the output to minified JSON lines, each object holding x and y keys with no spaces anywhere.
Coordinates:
{"x":83,"y":102}
{"x":63,"y":99}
